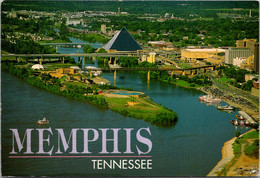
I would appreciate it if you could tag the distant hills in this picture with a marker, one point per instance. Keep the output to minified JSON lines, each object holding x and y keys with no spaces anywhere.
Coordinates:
{"x":178,"y":8}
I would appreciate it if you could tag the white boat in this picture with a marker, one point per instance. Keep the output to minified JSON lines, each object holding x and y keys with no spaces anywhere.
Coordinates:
{"x":209,"y":99}
{"x":225,"y":107}
{"x":43,"y":121}
{"x":247,"y":123}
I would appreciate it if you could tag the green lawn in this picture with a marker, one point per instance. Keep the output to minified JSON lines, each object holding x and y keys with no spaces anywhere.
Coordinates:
{"x":224,"y":79}
{"x":183,"y":83}
{"x":144,"y":109}
{"x":251,"y":135}
{"x":184,"y":65}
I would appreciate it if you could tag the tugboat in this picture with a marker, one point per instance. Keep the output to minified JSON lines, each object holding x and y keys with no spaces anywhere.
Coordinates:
{"x":225,"y":108}
{"x":44,"y":121}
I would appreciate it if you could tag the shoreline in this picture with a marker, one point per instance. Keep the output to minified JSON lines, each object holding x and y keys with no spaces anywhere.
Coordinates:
{"x":251,"y":112}
{"x":158,"y":115}
{"x":227,"y":156}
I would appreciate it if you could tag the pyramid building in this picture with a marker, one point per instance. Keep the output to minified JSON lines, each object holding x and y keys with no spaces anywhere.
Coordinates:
{"x":123,"y":41}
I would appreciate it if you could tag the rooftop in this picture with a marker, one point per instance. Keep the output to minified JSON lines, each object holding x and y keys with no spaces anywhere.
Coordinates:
{"x":205,"y":50}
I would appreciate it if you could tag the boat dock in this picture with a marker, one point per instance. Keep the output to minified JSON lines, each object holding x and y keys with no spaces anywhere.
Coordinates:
{"x":246,"y":116}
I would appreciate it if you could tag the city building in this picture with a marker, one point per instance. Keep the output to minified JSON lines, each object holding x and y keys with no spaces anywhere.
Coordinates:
{"x":236,"y":56}
{"x":122,"y":41}
{"x":215,"y":56}
{"x":246,"y":43}
{"x":251,"y":76}
{"x":254,"y":46}
{"x":158,"y":43}
{"x":151,"y":58}
{"x":256,"y":58}
{"x":103,"y":28}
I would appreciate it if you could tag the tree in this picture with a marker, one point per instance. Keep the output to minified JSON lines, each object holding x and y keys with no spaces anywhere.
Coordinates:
{"x":88,"y":49}
{"x":237,"y":133}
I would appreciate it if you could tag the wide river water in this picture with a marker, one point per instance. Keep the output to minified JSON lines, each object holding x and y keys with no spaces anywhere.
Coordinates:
{"x":191,"y":148}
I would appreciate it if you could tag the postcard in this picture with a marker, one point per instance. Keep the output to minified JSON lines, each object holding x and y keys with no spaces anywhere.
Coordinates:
{"x":130,"y":88}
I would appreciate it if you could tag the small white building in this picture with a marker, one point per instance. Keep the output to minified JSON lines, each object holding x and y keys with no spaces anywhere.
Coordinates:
{"x":37,"y":67}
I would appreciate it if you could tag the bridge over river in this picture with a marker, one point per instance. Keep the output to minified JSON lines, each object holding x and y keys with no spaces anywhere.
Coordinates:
{"x":193,"y":70}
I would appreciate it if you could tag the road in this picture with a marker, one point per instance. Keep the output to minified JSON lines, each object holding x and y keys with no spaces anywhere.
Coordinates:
{"x":237,"y":92}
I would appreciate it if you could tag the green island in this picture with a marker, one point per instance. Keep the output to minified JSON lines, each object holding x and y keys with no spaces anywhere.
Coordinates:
{"x":136,"y":107}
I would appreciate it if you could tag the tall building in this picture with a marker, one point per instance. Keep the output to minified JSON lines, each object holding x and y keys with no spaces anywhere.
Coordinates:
{"x":236,"y":54}
{"x":251,"y":44}
{"x":103,"y":28}
{"x":246,"y":43}
{"x":256,"y":58}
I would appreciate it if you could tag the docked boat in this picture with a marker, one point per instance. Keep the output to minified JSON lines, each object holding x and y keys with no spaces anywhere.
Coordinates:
{"x":209,"y":99}
{"x":225,"y":108}
{"x":203,"y":98}
{"x":239,"y":117}
{"x":236,"y":123}
{"x":43,"y":121}
{"x":241,"y":123}
{"x":247,"y":123}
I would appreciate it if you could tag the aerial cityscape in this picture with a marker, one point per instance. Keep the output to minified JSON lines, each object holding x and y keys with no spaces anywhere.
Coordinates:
{"x":130,"y":88}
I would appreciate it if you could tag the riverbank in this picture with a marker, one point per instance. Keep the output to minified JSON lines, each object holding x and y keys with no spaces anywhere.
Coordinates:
{"x":229,"y":160}
{"x":227,"y":156}
{"x":80,"y":88}
{"x":239,"y":103}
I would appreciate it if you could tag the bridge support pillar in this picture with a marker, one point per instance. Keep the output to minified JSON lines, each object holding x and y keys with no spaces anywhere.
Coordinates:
{"x":115,"y":78}
{"x":63,"y":59}
{"x":83,"y":62}
{"x":105,"y":60}
{"x":116,"y":59}
{"x":41,"y":61}
{"x":148,"y":76}
{"x":90,"y":73}
{"x":171,"y":73}
{"x":57,"y":47}
{"x":110,"y":60}
{"x":183,"y":72}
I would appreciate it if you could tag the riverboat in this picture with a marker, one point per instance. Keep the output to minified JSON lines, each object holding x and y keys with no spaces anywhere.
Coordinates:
{"x":209,"y":99}
{"x":43,"y":121}
{"x":229,"y":108}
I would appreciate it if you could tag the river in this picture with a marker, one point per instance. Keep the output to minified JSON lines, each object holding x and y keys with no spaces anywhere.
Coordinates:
{"x":191,"y":148}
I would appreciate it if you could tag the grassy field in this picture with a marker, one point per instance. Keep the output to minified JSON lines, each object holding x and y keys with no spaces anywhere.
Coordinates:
{"x":251,"y":135}
{"x":225,"y":79}
{"x":249,"y":147}
{"x":183,"y":83}
{"x":144,"y":108}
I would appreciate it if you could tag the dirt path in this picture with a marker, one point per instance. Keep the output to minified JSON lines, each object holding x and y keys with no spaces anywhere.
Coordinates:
{"x":244,"y":162}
